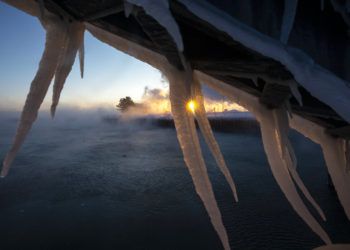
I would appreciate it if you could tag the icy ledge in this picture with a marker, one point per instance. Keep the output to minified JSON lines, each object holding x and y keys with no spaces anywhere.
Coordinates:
{"x":321,"y":83}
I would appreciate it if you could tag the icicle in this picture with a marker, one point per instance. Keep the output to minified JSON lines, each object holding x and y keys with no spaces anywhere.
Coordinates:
{"x":184,"y":123}
{"x":295,"y":91}
{"x":82,"y":57}
{"x":290,"y":8}
{"x":40,"y":84}
{"x":160,"y":11}
{"x":73,"y":42}
{"x":288,"y":155}
{"x":141,"y":53}
{"x":271,"y":144}
{"x":180,"y":93}
{"x":207,"y":132}
{"x":333,"y":152}
{"x":282,"y":174}
{"x":289,"y":109}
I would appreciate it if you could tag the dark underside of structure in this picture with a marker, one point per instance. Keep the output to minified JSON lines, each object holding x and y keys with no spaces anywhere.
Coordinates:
{"x":215,"y":53}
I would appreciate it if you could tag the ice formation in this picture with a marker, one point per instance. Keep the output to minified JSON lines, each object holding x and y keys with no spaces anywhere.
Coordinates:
{"x":187,"y":135}
{"x":334,"y":155}
{"x":208,"y":135}
{"x":273,"y":134}
{"x":82,"y":56}
{"x":65,"y":39}
{"x":72,"y":44}
{"x":290,"y":9}
{"x":39,"y":86}
{"x":180,"y":93}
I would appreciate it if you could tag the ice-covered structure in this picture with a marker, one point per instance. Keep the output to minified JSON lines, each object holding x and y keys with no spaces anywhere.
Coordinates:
{"x":238,"y":50}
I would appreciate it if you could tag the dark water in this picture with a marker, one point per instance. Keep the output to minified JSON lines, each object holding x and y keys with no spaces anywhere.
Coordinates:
{"x":87,"y":184}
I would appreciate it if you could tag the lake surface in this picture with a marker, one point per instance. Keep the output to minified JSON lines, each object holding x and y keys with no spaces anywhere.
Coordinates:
{"x":83,"y":183}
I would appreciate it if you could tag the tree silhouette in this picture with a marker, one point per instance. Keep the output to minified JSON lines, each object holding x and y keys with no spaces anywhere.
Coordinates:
{"x":125,"y":103}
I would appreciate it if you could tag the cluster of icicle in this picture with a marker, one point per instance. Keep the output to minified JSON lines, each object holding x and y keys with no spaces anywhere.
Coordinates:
{"x":64,"y":38}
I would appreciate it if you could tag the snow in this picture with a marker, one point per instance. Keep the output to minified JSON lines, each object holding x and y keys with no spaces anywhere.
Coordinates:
{"x":160,"y":11}
{"x":290,"y":9}
{"x":321,"y":83}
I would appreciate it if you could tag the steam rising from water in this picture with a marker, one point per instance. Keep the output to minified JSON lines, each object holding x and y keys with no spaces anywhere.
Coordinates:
{"x":156,"y":102}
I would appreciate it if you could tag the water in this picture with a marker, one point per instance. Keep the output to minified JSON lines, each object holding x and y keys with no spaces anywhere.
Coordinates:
{"x":81,"y":183}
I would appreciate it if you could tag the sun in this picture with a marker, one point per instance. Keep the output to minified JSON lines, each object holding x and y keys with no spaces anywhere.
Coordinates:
{"x":191,"y":106}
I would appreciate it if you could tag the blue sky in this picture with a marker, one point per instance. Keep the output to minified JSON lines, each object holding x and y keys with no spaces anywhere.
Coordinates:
{"x":109,"y":74}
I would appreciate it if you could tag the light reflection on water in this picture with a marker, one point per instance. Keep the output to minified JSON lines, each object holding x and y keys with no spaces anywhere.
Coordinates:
{"x":87,"y":184}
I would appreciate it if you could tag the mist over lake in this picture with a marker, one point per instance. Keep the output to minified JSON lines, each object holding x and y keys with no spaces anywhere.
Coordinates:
{"x":87,"y":182}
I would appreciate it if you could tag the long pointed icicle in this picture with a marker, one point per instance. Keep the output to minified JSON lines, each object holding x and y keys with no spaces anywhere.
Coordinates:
{"x":281,"y":173}
{"x":288,"y":155}
{"x":82,"y":57}
{"x":277,"y":164}
{"x":39,"y":85}
{"x":189,"y":142}
{"x":207,"y":132}
{"x":333,"y":152}
{"x":74,"y":40}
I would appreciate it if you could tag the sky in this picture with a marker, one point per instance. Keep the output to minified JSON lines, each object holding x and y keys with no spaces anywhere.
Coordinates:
{"x":109,"y":74}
